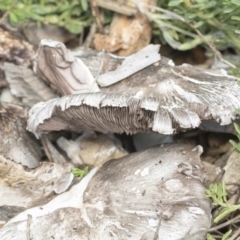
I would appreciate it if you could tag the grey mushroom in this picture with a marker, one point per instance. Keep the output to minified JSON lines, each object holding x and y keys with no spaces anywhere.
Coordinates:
{"x":14,"y":49}
{"x":16,"y":143}
{"x":24,"y":187}
{"x":26,"y":85}
{"x":160,"y":98}
{"x":69,"y":75}
{"x":154,"y":194}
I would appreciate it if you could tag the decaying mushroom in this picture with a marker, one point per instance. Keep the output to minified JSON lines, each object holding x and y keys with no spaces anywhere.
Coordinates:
{"x":161,"y":98}
{"x":57,"y":63}
{"x":69,"y":75}
{"x":14,"y":49}
{"x":26,"y":85}
{"x":15,"y":142}
{"x":21,"y":187}
{"x":154,"y":194}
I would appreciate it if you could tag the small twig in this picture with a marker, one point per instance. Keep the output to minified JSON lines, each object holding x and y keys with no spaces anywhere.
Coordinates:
{"x":232,"y":184}
{"x":234,"y":225}
{"x":101,"y":65}
{"x":231,"y":221}
{"x":81,"y":37}
{"x":96,"y":14}
{"x":90,"y":36}
{"x":235,"y":235}
{"x":99,"y":70}
{"x":28,"y":227}
{"x":216,"y":52}
{"x":45,"y":147}
{"x":8,"y":11}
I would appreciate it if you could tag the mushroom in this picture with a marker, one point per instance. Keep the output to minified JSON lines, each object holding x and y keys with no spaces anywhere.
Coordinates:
{"x":55,"y":63}
{"x":154,"y":194}
{"x":161,"y":98}
{"x":23,"y":187}
{"x":26,"y":85}
{"x":14,"y":49}
{"x":69,"y":75}
{"x":16,"y":143}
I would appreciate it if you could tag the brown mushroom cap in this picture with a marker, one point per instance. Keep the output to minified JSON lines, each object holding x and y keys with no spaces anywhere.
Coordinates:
{"x":162,"y":98}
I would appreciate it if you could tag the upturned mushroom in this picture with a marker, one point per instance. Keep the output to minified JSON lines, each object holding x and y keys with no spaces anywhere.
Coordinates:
{"x":161,"y":97}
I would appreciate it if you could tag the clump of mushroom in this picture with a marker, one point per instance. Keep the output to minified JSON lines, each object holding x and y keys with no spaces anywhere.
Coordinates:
{"x":154,"y":194}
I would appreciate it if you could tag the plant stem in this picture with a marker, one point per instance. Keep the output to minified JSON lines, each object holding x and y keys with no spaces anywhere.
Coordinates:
{"x":231,"y":221}
{"x":8,"y":11}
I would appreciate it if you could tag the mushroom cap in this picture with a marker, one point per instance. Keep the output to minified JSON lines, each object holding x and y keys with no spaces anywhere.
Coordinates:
{"x":155,"y":192}
{"x":55,"y":63}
